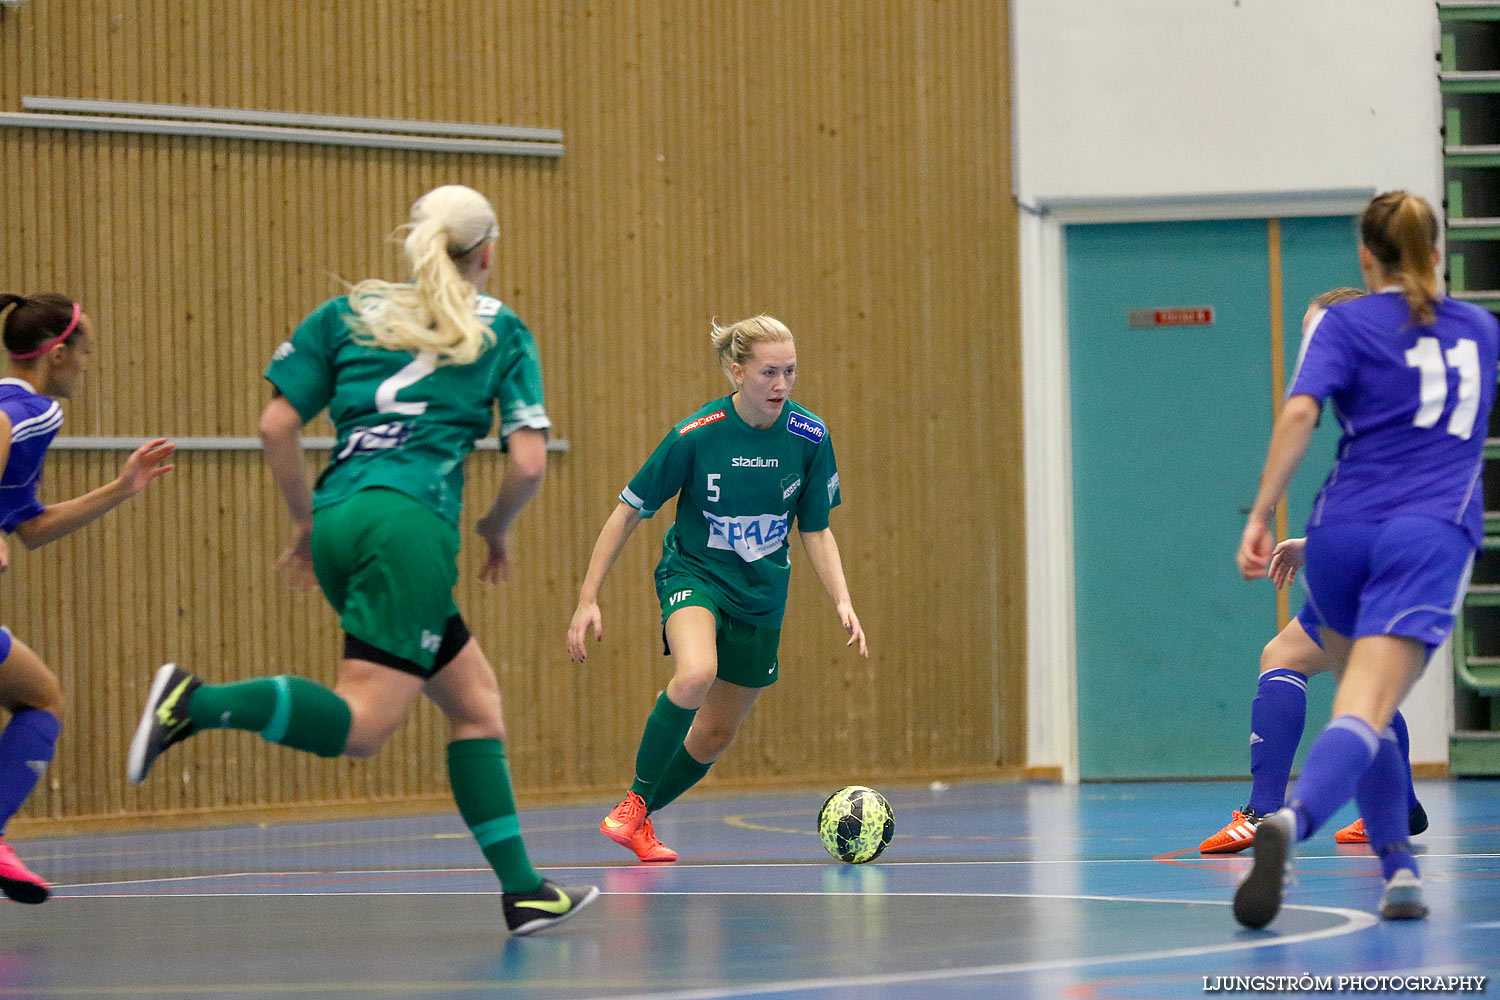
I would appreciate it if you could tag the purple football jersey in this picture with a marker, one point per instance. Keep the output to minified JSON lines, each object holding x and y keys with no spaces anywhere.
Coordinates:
{"x":34,"y":421}
{"x":1413,"y":403}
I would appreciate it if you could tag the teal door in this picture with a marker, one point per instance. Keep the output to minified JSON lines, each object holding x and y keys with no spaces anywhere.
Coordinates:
{"x":1169,"y":429}
{"x":1316,"y":254}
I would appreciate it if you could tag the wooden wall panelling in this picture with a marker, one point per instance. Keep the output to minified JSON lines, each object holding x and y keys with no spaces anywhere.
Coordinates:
{"x":844,"y":167}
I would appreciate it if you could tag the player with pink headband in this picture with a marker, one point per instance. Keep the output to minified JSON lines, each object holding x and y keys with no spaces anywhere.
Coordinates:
{"x":49,"y":339}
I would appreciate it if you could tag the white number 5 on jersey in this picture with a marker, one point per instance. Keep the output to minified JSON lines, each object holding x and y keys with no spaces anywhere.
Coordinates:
{"x":1428,"y":358}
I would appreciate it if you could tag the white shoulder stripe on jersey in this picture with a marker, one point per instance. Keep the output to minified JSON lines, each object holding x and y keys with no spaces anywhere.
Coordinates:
{"x":51,"y":418}
{"x":42,"y":417}
{"x":31,"y":428}
{"x":1307,"y":336}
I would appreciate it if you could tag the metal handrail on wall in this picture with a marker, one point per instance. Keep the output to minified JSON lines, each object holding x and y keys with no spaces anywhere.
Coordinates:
{"x":125,"y":443}
{"x":80,"y":115}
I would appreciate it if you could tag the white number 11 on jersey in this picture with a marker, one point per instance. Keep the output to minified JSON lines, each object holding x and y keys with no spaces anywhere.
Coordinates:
{"x":1428,"y":358}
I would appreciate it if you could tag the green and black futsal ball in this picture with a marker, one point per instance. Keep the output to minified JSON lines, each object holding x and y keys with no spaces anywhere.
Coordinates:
{"x":856,"y":824}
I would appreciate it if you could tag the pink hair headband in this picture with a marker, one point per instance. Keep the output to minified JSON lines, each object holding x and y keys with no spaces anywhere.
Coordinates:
{"x":72,"y":325}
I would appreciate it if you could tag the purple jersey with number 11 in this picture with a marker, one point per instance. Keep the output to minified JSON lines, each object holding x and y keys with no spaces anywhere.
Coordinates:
{"x":1414,"y":406}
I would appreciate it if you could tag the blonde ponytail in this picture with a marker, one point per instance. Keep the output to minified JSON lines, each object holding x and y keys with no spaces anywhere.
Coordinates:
{"x":733,"y":344}
{"x":1400,"y":229}
{"x":435,"y":311}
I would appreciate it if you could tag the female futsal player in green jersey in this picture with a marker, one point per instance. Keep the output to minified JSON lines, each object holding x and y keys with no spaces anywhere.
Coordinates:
{"x":410,"y":374}
{"x":743,"y":468}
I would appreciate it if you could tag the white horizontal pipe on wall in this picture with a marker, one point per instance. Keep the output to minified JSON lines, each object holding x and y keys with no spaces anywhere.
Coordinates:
{"x":246,"y":116}
{"x":269,"y":133}
{"x":84,"y":443}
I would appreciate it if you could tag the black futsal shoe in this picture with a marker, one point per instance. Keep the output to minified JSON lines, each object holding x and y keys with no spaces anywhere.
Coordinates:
{"x":550,"y":904}
{"x":1416,"y":820}
{"x":164,"y":722}
{"x":1259,"y":896}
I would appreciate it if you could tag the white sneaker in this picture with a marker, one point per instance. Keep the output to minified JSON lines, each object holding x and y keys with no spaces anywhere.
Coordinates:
{"x":1402,"y":899}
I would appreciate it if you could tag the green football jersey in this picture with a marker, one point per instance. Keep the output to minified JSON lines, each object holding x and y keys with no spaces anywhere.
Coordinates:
{"x":738,"y":489}
{"x":405,"y":422}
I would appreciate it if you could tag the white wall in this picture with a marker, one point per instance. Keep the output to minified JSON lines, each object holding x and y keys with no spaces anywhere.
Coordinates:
{"x":1169,"y":97}
{"x":1154,"y":109}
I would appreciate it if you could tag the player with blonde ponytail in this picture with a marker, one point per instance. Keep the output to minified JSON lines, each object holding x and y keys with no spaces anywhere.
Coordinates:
{"x":435,"y":310}
{"x":411,"y":375}
{"x":742,"y":468}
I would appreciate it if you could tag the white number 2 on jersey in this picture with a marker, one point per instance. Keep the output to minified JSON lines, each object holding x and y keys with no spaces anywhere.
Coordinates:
{"x":1428,"y":358}
{"x":424,"y":364}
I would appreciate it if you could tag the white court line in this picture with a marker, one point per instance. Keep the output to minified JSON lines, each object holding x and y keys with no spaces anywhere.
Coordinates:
{"x":751,"y":864}
{"x":272,"y":894}
{"x":1357,"y":921}
{"x":999,"y":861}
{"x":291,"y":874}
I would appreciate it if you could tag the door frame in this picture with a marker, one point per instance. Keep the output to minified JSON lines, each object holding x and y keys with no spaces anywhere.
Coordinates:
{"x":1051,"y":646}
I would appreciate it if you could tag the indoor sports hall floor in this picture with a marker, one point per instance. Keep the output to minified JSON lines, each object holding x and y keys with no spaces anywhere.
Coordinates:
{"x":988,"y":890}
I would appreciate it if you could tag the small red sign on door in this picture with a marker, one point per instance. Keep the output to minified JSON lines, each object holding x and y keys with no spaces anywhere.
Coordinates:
{"x":1189,"y":316}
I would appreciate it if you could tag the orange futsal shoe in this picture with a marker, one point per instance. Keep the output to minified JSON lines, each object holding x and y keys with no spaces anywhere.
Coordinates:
{"x":1354,"y":833}
{"x":647,"y":847}
{"x":1238,"y":835}
{"x":624,"y":820}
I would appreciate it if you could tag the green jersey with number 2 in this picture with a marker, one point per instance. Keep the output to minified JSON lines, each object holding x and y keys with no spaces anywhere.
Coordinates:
{"x":738,"y":490}
{"x":403,"y":421}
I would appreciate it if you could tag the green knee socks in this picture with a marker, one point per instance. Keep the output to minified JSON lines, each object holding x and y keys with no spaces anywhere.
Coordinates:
{"x":291,"y":711}
{"x":480,"y":778}
{"x":682,"y":772}
{"x":667,"y":724}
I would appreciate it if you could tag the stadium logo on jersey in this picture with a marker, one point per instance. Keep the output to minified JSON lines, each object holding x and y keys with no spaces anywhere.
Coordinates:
{"x":381,"y":437}
{"x":833,"y":486}
{"x":282,"y":351}
{"x":701,"y":421}
{"x":805,"y":427}
{"x":752,"y":537}
{"x":757,"y":462}
{"x":789,"y":486}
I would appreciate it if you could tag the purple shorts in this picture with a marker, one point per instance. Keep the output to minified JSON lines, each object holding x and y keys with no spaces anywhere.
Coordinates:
{"x":1308,"y":619}
{"x":1404,"y":576}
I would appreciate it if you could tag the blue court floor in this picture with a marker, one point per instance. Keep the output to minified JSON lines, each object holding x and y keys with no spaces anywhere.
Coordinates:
{"x":988,"y":890}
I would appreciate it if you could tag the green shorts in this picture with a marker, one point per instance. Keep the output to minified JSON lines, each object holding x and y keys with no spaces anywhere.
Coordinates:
{"x":747,"y":653}
{"x":388,"y":565}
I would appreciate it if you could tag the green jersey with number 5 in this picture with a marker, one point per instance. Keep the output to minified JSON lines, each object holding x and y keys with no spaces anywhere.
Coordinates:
{"x":738,"y":490}
{"x":403,"y":421}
